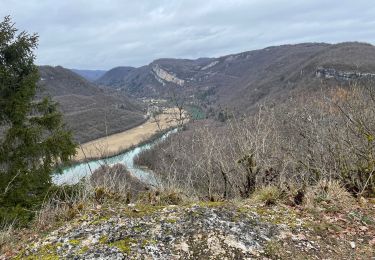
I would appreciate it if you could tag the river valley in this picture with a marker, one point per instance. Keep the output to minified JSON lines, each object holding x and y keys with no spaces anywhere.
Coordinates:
{"x":74,"y":174}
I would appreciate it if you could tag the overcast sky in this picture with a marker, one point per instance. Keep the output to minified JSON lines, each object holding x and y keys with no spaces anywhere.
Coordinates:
{"x":101,"y":34}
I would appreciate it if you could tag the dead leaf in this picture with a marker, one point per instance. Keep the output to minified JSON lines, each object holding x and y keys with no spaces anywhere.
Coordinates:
{"x":363,"y":228}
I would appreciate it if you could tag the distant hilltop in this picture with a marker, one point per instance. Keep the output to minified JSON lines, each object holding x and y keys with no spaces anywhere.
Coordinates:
{"x":90,"y":75}
{"x":243,"y":80}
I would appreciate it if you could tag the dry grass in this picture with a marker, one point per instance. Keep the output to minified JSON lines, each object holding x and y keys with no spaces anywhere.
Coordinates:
{"x":106,"y":184}
{"x":63,"y":204}
{"x":6,"y":235}
{"x":113,"y":144}
{"x":164,"y":197}
{"x":116,"y":182}
{"x":269,"y":195}
{"x":330,"y":195}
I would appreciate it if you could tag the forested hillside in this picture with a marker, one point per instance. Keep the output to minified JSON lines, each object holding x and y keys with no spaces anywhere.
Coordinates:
{"x":90,"y":112}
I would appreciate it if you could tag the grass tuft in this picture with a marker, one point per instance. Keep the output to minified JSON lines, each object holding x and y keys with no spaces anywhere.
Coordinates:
{"x":329,"y":196}
{"x":269,"y":195}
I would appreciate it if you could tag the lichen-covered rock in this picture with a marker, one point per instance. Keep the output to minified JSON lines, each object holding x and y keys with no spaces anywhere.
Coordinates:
{"x":205,"y":230}
{"x":150,"y":232}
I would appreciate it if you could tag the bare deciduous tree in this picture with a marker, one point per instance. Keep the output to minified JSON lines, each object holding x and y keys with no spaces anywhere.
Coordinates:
{"x":330,"y":136}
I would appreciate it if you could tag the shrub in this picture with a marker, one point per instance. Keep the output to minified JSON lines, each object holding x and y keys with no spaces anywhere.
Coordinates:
{"x":269,"y":195}
{"x":162,"y":197}
{"x":330,"y":195}
{"x":115,"y":182}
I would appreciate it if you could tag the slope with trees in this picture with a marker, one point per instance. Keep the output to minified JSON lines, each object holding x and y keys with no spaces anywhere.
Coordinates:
{"x":90,"y":112}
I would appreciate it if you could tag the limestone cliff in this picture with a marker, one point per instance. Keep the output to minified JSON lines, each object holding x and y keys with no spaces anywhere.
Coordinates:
{"x":163,"y":76}
{"x":331,"y":73}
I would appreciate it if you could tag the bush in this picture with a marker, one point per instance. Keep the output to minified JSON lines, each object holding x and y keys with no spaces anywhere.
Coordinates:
{"x":115,"y":182}
{"x":269,"y":195}
{"x":162,"y":197}
{"x":329,"y":195}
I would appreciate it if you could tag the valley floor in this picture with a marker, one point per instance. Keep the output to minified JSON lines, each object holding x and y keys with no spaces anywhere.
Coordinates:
{"x":209,"y":230}
{"x":113,"y":144}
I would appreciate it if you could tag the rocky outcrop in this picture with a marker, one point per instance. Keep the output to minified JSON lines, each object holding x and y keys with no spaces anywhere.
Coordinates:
{"x":210,"y":65}
{"x":163,"y":76}
{"x":202,"y":230}
{"x":163,"y":232}
{"x":331,"y":73}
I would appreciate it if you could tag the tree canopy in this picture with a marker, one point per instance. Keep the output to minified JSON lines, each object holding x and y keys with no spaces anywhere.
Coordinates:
{"x":33,"y":138}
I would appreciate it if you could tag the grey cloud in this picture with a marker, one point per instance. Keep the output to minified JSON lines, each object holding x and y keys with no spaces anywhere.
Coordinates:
{"x":102,"y":34}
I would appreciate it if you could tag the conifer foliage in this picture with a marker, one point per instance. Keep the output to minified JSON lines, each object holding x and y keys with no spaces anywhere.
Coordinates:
{"x":32,"y":135}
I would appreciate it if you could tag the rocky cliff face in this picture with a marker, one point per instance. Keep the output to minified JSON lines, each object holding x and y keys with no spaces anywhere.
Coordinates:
{"x":163,"y":76}
{"x":210,"y":65}
{"x":331,"y":73}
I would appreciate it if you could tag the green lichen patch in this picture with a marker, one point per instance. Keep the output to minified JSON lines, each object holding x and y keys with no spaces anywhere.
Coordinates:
{"x":142,"y":210}
{"x":103,"y":240}
{"x":83,"y":250}
{"x":74,"y":242}
{"x":273,"y":249}
{"x":139,"y":229}
{"x":47,"y":252}
{"x":123,"y":245}
{"x":278,"y":215}
{"x":211,"y":204}
{"x":147,"y":242}
{"x":99,"y":220}
{"x":171,"y":220}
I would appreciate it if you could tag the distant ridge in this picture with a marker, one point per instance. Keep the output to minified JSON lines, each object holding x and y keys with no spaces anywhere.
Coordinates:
{"x":90,"y":75}
{"x":242,"y":80}
{"x":115,"y":76}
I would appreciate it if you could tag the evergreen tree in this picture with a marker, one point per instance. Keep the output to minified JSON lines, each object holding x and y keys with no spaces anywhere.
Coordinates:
{"x":32,"y":136}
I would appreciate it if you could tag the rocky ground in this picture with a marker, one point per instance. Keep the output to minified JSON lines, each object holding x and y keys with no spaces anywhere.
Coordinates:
{"x":210,"y":230}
